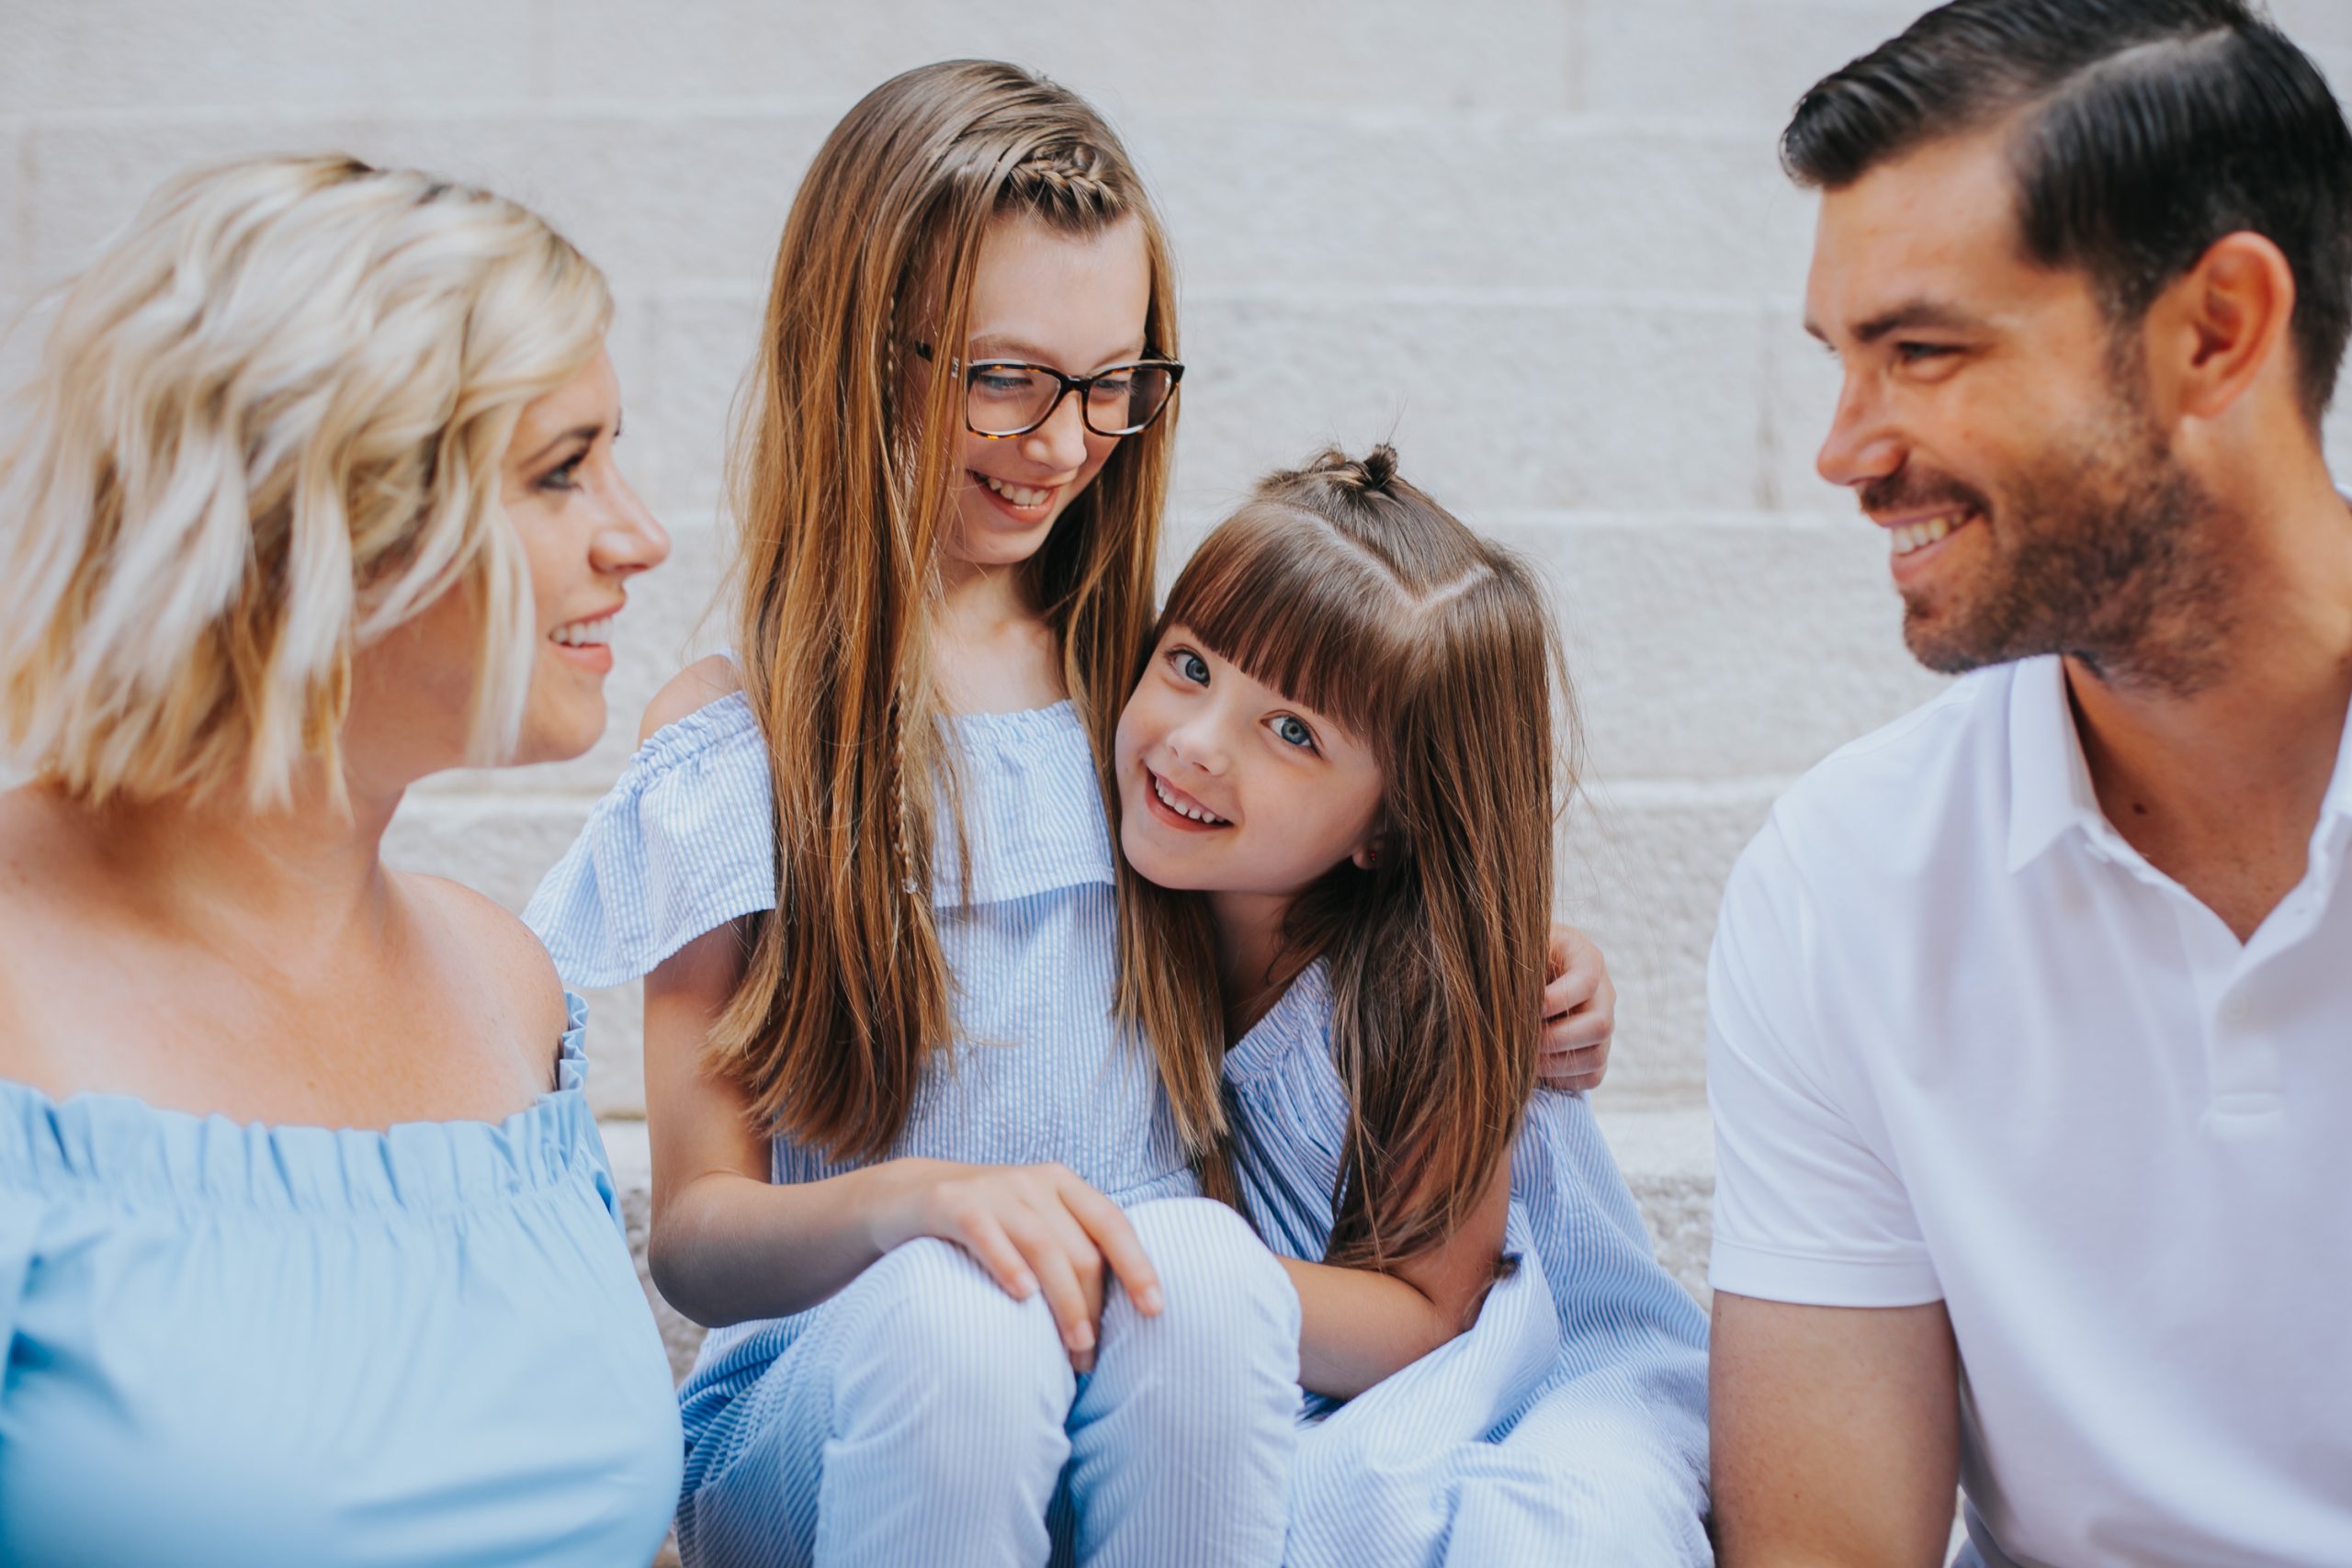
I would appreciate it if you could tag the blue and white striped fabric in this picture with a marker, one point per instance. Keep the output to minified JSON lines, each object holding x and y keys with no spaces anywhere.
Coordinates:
{"x":1567,"y":1426}
{"x":810,"y":1438}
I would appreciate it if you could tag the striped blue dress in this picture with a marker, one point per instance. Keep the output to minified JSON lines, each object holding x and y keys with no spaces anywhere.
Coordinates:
{"x":1569,"y":1426}
{"x":255,"y":1346}
{"x":922,"y":1415}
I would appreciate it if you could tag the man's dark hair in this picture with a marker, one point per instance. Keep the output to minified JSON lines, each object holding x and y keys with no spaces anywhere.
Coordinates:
{"x":2147,"y":130}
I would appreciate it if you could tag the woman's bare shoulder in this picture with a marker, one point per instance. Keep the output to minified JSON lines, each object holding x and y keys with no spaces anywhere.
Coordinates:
{"x":496,"y":960}
{"x":697,"y":686}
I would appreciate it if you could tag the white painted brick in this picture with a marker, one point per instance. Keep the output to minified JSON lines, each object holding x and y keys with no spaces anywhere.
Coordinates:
{"x":145,"y":54}
{"x":1494,"y":401}
{"x":1475,"y":53}
{"x":1724,"y":59}
{"x":1752,"y":60}
{"x":15,"y":211}
{"x":658,"y":201}
{"x":1712,"y":648}
{"x":1643,"y":870}
{"x":2314,"y":23}
{"x":701,"y":347}
{"x":1507,"y":202}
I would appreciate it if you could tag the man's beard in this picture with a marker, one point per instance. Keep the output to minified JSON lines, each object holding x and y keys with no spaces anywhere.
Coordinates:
{"x":2113,"y":554}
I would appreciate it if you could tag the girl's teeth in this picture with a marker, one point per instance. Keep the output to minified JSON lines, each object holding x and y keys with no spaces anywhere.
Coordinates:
{"x":1020,"y":495}
{"x":1160,"y":790}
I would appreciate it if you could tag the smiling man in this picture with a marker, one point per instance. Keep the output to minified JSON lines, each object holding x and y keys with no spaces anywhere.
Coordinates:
{"x":2031,"y":1050}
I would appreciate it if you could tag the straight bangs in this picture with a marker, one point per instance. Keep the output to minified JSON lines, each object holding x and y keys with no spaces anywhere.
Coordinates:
{"x":1284,"y":597}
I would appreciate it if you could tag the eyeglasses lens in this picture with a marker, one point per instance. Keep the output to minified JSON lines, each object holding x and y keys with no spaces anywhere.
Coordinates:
{"x":1008,"y":400}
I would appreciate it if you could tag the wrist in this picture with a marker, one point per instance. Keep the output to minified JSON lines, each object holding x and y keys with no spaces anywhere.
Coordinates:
{"x":895,"y":1209}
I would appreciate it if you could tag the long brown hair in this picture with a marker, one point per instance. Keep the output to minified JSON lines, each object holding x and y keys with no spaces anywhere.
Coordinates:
{"x":1348,"y":589}
{"x":841,"y":491}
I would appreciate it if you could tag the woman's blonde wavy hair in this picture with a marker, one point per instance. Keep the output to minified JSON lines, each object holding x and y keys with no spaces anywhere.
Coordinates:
{"x":843,"y":491}
{"x":265,"y":429}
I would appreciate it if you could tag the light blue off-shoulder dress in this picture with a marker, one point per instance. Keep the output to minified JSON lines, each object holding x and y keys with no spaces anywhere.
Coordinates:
{"x":1567,"y":1427}
{"x":254,"y":1345}
{"x":922,"y":1415}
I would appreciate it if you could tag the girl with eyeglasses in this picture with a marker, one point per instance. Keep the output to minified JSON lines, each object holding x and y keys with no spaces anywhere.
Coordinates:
{"x":936,"y":1207}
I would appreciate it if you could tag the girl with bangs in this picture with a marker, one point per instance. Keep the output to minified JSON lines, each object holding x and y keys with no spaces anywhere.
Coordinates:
{"x":1335,"y":777}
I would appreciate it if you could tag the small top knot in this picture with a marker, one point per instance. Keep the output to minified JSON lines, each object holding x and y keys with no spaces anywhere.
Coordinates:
{"x":1369,"y":474}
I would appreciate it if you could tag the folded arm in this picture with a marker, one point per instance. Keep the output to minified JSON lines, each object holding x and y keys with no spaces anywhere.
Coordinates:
{"x":1357,"y":1325}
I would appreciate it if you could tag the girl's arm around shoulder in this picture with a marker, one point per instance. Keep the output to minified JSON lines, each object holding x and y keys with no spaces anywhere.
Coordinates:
{"x":1358,"y":1326}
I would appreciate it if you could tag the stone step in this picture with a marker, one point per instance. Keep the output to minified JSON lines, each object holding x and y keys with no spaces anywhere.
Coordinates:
{"x":1666,"y":1153}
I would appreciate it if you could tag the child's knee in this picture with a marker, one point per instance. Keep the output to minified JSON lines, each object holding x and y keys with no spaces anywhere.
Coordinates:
{"x":1225,"y":1294}
{"x":932,"y":1331}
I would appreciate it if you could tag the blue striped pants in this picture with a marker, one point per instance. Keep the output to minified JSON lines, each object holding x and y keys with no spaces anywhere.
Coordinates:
{"x":924,"y":1417}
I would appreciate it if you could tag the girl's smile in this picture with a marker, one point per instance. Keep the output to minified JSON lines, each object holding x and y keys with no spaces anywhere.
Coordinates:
{"x":1228,"y":786}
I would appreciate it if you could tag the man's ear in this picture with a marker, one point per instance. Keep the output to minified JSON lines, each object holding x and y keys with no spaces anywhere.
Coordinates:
{"x":2213,"y":333}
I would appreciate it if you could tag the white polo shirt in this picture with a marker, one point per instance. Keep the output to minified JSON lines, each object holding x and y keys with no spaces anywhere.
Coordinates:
{"x":1966,"y":1044}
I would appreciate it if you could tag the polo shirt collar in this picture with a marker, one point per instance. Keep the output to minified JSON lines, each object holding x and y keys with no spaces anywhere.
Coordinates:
{"x":2049,"y":784}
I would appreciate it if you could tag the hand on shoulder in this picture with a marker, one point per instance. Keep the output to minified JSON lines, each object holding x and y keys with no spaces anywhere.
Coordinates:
{"x":697,"y":686}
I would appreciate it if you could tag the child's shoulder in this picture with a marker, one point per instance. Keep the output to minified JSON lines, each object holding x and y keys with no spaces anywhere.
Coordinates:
{"x":691,"y":690}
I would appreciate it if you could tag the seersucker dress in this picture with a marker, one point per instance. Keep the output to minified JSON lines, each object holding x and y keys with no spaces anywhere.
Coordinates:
{"x":819,"y":1436}
{"x":1567,"y":1427}
{"x":254,"y":1345}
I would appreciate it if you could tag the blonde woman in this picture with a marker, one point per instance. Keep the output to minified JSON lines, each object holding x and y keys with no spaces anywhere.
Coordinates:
{"x":307,"y":1246}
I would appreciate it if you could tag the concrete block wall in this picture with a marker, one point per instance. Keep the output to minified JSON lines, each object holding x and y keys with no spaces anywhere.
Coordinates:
{"x":1541,"y":243}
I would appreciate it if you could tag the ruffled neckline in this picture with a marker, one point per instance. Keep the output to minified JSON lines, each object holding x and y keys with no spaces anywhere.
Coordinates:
{"x":131,"y":1150}
{"x":1299,"y":1020}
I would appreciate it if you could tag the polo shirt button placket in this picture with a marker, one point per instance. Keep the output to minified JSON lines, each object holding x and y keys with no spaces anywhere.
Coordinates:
{"x":2243,"y":1070}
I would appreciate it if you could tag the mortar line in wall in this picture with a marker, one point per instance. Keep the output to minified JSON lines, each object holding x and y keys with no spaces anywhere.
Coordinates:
{"x":1652,"y":793}
{"x":1553,"y":124}
{"x":1323,"y":296}
{"x":1533,"y":519}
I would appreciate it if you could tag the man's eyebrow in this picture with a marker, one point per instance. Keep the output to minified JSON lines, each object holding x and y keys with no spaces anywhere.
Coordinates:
{"x":1913,"y":314}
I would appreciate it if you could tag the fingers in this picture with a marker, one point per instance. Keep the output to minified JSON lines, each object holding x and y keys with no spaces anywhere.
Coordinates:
{"x":1571,"y":959}
{"x":1057,"y":1278}
{"x":1578,"y":1032}
{"x":984,"y":1239}
{"x":1574,"y":1070}
{"x":1108,"y":1228}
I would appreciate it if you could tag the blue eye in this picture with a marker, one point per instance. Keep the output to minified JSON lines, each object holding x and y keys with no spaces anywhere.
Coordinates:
{"x":1292,"y":728}
{"x":1190,"y":666}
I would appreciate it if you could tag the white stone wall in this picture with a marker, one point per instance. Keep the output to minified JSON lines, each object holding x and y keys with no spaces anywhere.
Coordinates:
{"x":1541,"y":243}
